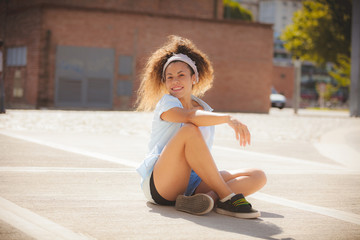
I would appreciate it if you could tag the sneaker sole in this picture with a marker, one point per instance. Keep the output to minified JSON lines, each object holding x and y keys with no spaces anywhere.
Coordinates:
{"x":238,"y":215}
{"x":198,"y":204}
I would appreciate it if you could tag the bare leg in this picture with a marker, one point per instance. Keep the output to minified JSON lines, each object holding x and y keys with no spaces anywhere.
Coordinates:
{"x":245,"y":181}
{"x":185,"y":151}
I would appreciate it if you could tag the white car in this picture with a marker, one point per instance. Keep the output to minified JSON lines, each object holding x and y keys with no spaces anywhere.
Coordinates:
{"x":277,"y":100}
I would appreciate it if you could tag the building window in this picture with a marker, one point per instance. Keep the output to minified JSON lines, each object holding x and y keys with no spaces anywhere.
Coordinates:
{"x":18,"y":90}
{"x":124,"y":88}
{"x":125,"y":65}
{"x":126,"y":72}
{"x":16,"y":56}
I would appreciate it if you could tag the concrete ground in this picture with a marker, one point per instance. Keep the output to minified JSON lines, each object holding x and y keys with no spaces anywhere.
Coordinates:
{"x":71,"y":175}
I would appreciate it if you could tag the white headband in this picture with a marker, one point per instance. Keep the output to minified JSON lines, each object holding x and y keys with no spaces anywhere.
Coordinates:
{"x":183,"y":58}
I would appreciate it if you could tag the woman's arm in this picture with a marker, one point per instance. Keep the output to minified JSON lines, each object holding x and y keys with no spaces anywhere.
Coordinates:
{"x":204,"y":118}
{"x":196,"y":117}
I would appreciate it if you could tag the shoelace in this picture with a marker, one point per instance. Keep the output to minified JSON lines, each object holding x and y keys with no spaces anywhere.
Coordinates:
{"x":241,"y":201}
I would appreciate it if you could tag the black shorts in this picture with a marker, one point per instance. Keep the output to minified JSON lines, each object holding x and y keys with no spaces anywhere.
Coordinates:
{"x":156,"y":196}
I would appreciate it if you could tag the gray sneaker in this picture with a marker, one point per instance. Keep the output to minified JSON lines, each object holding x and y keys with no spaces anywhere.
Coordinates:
{"x":198,"y":204}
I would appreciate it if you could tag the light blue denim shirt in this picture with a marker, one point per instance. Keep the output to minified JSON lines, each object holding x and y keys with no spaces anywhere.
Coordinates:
{"x":162,"y":131}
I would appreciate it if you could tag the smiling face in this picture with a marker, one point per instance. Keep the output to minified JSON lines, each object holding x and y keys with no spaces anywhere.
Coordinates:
{"x":179,"y":80}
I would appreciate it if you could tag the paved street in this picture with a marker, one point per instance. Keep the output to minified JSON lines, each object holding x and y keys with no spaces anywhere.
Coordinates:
{"x":71,"y":175}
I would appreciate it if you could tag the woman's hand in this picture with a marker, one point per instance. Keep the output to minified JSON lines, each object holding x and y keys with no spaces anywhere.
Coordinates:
{"x":241,"y":131}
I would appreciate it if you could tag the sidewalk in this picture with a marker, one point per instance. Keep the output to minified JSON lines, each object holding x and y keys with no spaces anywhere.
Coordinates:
{"x":71,"y":175}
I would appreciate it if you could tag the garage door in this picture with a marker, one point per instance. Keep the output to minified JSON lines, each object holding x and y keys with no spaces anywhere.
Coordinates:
{"x":84,"y":77}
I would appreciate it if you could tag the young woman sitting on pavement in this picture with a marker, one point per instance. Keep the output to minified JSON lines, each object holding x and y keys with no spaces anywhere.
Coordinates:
{"x":179,"y":169}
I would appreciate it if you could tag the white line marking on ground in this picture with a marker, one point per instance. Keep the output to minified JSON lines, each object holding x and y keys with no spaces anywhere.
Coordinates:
{"x":34,"y":225}
{"x":132,"y":164}
{"x":131,"y":170}
{"x":66,"y":170}
{"x":340,"y":153}
{"x":271,"y":157}
{"x":341,"y":215}
{"x":334,"y":145}
{"x":311,"y":171}
{"x":348,"y":217}
{"x":100,"y":156}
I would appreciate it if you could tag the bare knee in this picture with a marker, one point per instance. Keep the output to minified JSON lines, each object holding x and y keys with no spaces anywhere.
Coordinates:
{"x":190,"y":129}
{"x":259,"y":176}
{"x":189,"y":126}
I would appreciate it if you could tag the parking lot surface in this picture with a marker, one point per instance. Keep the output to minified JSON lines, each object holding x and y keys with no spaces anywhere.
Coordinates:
{"x":71,"y":175}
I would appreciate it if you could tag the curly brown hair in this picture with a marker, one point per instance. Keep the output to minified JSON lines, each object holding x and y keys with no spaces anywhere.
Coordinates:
{"x":152,"y":87}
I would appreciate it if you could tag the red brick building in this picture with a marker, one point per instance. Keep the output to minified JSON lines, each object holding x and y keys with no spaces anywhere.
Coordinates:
{"x":283,"y":82}
{"x":90,"y":54}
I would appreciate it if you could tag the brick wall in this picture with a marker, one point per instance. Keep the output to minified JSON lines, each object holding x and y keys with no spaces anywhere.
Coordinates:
{"x":23,"y":29}
{"x":205,"y":9}
{"x":241,"y":52}
{"x":283,"y":82}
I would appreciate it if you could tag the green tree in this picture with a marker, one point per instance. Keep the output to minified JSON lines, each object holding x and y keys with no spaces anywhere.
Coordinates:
{"x":321,"y":31}
{"x":233,"y":10}
{"x":341,"y":72}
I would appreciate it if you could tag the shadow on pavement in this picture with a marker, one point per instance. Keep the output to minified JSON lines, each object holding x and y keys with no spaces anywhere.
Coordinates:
{"x":270,"y":215}
{"x":252,"y":227}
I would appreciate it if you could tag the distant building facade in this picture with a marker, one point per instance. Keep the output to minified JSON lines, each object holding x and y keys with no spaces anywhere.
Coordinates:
{"x":90,"y":54}
{"x":278,"y":12}
{"x":252,"y":6}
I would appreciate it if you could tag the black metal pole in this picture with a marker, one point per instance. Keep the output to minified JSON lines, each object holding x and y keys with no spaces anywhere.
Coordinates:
{"x":355,"y":62}
{"x":2,"y":93}
{"x":2,"y":77}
